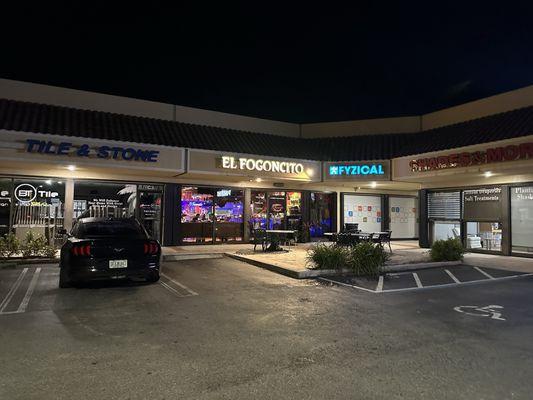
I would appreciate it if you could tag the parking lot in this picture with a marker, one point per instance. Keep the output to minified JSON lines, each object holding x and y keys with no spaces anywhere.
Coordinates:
{"x":218,"y":328}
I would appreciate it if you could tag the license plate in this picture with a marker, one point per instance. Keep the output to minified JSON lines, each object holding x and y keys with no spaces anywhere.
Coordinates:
{"x":118,"y":263}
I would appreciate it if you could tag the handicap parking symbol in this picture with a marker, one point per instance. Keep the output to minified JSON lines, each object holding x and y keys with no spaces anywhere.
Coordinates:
{"x":493,"y":311}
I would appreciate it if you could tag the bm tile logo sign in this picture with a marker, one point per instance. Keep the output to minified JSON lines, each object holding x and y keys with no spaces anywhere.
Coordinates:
{"x":356,"y":170}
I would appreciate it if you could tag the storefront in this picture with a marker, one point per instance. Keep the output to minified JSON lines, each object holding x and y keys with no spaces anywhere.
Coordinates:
{"x":482,"y":195}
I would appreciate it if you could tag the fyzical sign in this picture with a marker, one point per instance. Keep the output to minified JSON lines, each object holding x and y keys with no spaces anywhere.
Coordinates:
{"x":512,"y":152}
{"x":253,"y":164}
{"x":361,"y":170}
{"x":354,"y":170}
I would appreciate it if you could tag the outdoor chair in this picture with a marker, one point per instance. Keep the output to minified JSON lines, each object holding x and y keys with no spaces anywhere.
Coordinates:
{"x":382,"y":239}
{"x":260,"y":237}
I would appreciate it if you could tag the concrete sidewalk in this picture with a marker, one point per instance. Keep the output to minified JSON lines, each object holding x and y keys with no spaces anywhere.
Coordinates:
{"x":294,"y":262}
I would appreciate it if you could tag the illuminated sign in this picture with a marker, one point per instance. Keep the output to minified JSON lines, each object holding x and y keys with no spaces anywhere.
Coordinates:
{"x":26,"y":193}
{"x":351,"y":170}
{"x":512,"y":152}
{"x":223,"y":193}
{"x":252,"y":164}
{"x":85,"y":150}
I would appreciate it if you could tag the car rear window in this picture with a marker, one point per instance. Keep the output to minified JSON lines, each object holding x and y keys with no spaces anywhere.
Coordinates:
{"x":129,"y":229}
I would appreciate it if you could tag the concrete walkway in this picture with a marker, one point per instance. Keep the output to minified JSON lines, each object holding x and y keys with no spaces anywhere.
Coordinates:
{"x":293,"y":262}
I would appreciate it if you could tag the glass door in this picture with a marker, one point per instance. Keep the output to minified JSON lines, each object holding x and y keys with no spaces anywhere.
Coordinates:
{"x":229,"y":216}
{"x":321,"y":214}
{"x":150,"y":212}
{"x":294,"y":210}
{"x":197,"y":215}
{"x":276,"y":210}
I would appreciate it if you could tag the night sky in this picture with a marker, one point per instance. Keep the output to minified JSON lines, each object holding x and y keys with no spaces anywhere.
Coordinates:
{"x":298,"y":64}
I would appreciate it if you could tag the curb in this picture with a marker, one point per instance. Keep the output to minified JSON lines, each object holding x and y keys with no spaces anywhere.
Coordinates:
{"x":317,"y":273}
{"x":183,"y":257}
{"x":31,"y":261}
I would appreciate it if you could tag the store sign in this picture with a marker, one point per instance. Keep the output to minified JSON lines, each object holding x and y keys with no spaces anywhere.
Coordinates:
{"x":26,"y":193}
{"x":85,"y":150}
{"x":356,"y":170}
{"x":483,"y":204}
{"x":363,"y":170}
{"x":260,"y":165}
{"x":511,"y":152}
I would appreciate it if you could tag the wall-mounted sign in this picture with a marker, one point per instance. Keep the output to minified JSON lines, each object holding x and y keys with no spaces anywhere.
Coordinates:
{"x":512,"y":152}
{"x":26,"y":193}
{"x":483,"y":204}
{"x":260,"y":165}
{"x":86,"y":150}
{"x":364,"y":170}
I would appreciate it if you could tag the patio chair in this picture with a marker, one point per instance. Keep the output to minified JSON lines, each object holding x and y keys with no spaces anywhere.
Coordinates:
{"x":260,"y":237}
{"x":382,"y":239}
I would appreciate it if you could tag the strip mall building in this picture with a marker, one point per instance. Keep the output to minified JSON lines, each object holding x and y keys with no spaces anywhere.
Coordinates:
{"x":197,"y":176}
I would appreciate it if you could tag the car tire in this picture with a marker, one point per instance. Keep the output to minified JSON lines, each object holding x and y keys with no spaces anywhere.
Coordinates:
{"x":64,"y":281}
{"x":153,"y":277}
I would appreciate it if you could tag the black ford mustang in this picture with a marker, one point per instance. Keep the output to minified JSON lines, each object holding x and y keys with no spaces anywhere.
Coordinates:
{"x":108,"y":248}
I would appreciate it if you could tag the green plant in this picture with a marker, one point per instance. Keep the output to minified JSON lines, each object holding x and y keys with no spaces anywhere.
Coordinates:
{"x":447,"y":250}
{"x":34,"y":246}
{"x":323,"y":256}
{"x":9,"y":245}
{"x":48,"y":251}
{"x":367,"y":258}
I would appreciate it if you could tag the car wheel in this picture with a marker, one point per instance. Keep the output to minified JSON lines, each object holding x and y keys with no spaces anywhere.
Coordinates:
{"x":153,"y":277}
{"x":64,"y":281}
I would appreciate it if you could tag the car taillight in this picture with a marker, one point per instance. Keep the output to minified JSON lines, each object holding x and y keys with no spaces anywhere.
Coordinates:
{"x":151,"y":248}
{"x":81,"y":250}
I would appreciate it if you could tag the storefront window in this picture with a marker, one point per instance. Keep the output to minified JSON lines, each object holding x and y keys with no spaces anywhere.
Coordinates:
{"x":321,"y":214}
{"x":99,"y":199}
{"x":197,"y":214}
{"x":5,"y":205}
{"x":442,"y":230}
{"x":229,"y":215}
{"x":364,"y":211}
{"x":444,"y":214}
{"x":484,"y":236}
{"x":258,"y":210}
{"x":294,"y":210}
{"x":276,"y":210}
{"x":38,"y":207}
{"x":150,"y":198}
{"x":522,"y":219}
{"x":403,"y":217}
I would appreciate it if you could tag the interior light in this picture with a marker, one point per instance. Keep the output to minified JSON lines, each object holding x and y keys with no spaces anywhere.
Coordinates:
{"x":487,"y":174}
{"x":71,"y":168}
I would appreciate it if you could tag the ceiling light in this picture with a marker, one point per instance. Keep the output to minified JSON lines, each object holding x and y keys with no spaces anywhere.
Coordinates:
{"x":487,"y":174}
{"x":48,"y":181}
{"x":310,"y":172}
{"x":71,"y":168}
{"x":373,"y":184}
{"x":258,"y":179}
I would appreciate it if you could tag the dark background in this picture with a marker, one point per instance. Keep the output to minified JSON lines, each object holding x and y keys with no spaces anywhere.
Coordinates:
{"x":299,"y":63}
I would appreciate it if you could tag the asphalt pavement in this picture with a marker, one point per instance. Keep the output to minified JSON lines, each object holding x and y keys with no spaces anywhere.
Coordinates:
{"x":221,"y":329}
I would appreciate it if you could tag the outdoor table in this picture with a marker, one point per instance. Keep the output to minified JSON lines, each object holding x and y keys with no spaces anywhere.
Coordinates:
{"x":274,"y":236}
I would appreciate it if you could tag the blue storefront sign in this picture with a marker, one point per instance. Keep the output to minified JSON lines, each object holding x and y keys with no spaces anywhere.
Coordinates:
{"x":356,"y":170}
{"x":86,"y":150}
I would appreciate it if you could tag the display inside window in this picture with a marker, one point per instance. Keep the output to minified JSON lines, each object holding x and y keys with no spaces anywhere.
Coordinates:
{"x":38,"y":207}
{"x":364,"y":211}
{"x":294,"y":210}
{"x":442,"y":230}
{"x":229,"y":215}
{"x":403,"y":217}
{"x":522,"y":219}
{"x":276,"y":210}
{"x":150,"y":211}
{"x":100,"y":199}
{"x":321,"y":210}
{"x":484,"y":236}
{"x":258,"y":208}
{"x":197,"y":214}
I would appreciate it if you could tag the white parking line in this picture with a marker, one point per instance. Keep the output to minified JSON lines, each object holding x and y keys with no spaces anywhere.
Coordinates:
{"x":454,"y":278}
{"x":29,"y":292}
{"x":417,"y":280}
{"x":483,"y":272}
{"x":190,"y":291}
{"x":12,"y":291}
{"x":379,"y":287}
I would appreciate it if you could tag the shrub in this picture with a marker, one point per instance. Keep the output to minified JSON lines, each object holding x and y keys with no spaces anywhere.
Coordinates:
{"x":323,"y":256}
{"x":34,"y":246}
{"x":48,"y":251}
{"x":9,"y":245}
{"x":447,"y":250}
{"x":367,"y":258}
